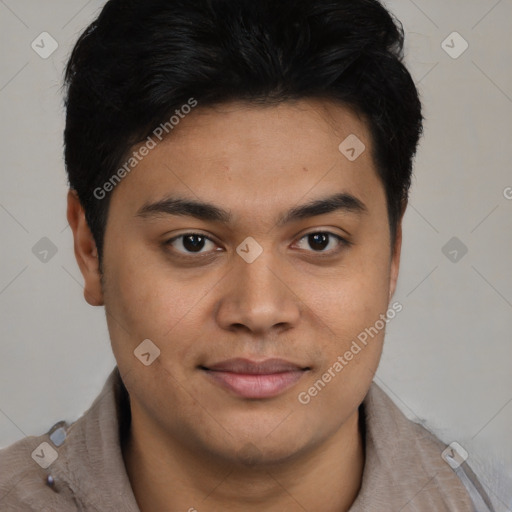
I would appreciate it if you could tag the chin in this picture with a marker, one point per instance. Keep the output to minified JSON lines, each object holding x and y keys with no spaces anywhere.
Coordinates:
{"x":256,"y":455}
{"x":259,"y":450}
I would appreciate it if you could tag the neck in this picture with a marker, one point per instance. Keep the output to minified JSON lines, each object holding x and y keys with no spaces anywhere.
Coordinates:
{"x":166,"y":476}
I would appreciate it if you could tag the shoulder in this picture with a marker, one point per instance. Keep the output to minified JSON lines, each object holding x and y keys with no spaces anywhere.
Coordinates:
{"x":24,"y":475}
{"x":407,"y":465}
{"x":72,"y":467}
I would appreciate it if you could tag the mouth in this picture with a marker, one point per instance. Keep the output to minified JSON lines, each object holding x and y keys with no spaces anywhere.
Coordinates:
{"x":256,"y":380}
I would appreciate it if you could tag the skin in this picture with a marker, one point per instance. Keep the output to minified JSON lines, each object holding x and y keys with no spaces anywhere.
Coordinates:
{"x":192,"y":443}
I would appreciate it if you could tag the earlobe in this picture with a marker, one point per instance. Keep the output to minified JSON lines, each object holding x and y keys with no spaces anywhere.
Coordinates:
{"x":86,"y":253}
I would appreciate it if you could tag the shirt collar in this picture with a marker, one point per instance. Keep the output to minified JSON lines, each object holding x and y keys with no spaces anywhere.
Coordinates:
{"x":91,"y":460}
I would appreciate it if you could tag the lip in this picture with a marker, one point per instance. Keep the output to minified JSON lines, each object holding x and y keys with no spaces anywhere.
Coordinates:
{"x":255,"y":379}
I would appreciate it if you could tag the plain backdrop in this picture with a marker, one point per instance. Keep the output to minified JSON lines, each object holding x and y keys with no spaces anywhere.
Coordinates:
{"x":447,"y":357}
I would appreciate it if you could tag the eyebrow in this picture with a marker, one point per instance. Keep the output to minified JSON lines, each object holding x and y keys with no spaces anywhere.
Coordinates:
{"x":208,"y":212}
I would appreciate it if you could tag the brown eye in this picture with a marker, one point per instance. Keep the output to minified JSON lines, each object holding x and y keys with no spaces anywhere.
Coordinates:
{"x":320,"y":240}
{"x":190,"y":243}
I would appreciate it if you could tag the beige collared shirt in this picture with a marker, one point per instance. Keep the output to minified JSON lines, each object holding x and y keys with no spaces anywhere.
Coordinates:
{"x":404,"y":470}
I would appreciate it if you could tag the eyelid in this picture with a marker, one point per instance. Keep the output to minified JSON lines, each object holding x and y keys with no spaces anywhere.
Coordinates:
{"x":345,"y":237}
{"x":191,"y":254}
{"x":343,"y":242}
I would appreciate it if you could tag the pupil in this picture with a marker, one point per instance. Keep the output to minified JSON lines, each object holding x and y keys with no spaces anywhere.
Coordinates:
{"x":190,"y":245}
{"x":318,"y":239}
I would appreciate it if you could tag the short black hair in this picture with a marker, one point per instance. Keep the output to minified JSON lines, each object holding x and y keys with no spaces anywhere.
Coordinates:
{"x":141,"y":60}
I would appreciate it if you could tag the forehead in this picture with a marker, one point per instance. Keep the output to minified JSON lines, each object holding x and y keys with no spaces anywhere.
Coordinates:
{"x":295,"y":128}
{"x":259,"y":156}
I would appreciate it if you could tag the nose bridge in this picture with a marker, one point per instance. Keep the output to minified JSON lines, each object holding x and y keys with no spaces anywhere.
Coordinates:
{"x":257,"y":297}
{"x":258,"y":279}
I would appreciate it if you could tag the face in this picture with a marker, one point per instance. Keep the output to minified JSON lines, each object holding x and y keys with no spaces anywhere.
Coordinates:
{"x":289,"y":258}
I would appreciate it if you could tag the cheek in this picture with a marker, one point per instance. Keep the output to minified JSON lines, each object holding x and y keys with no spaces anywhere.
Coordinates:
{"x":350,"y":312}
{"x":354,"y":298}
{"x":351,"y":316}
{"x":153,"y":301}
{"x":140,"y":292}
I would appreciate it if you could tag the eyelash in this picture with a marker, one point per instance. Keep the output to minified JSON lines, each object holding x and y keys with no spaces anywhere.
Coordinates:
{"x":343,"y":243}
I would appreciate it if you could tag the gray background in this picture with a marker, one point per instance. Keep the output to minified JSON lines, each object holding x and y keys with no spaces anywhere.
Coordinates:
{"x":447,"y":355}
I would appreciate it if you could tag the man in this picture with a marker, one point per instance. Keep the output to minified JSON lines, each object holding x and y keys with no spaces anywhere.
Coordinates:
{"x":238,"y":174}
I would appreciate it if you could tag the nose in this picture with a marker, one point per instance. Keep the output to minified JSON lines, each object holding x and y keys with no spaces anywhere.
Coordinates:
{"x":257,"y":298}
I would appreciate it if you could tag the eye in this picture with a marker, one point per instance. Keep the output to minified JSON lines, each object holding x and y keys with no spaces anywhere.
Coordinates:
{"x":197,"y":243}
{"x":319,"y":240}
{"x":190,"y":243}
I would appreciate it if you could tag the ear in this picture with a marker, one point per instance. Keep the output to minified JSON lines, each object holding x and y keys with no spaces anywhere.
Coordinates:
{"x":395,"y":257}
{"x":86,"y":253}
